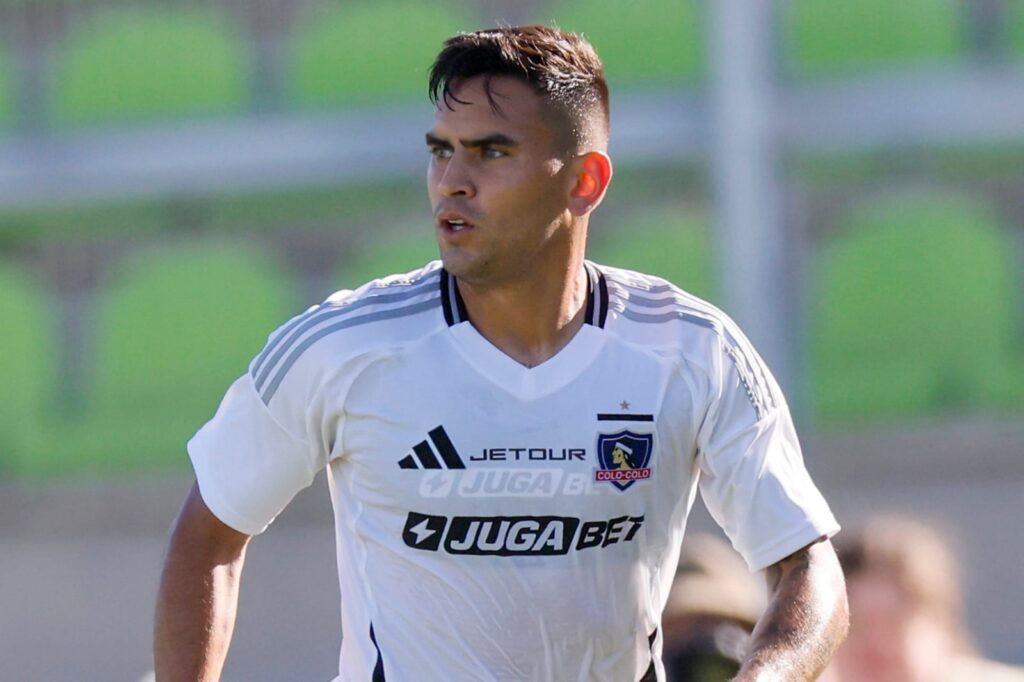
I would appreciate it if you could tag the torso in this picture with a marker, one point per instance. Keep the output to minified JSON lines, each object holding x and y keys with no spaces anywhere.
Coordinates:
{"x":475,"y":511}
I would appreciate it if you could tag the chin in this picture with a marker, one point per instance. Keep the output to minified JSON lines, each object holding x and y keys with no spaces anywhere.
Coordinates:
{"x":452,"y":263}
{"x":461,"y":265}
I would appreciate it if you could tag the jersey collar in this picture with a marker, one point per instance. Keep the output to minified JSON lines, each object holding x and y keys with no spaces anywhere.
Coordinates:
{"x":597,"y":298}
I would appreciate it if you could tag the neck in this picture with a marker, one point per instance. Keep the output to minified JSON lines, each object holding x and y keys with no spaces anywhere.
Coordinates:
{"x":533,"y":317}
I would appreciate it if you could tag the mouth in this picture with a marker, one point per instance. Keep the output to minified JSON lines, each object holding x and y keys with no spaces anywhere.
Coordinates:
{"x":453,"y":223}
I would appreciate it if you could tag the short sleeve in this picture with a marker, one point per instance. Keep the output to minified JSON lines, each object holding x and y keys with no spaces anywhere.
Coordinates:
{"x":753,"y":479}
{"x":249,"y":464}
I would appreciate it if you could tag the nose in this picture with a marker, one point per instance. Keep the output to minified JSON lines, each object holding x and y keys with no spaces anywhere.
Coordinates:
{"x":455,"y":178}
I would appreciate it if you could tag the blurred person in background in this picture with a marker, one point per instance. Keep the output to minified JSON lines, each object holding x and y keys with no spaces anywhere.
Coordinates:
{"x":713,"y":607}
{"x":513,"y":435}
{"x":906,"y":610}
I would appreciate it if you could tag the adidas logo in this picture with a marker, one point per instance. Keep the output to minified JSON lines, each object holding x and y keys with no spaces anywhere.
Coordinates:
{"x":424,"y":457}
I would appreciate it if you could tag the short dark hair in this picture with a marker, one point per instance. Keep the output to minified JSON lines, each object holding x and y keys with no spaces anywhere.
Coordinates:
{"x":561,"y":66}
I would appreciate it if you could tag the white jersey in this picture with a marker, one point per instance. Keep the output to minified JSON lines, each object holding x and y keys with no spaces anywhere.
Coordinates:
{"x":499,"y":522}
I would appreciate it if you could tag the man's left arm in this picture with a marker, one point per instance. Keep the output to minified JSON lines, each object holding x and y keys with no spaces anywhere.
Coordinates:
{"x":806,"y":619}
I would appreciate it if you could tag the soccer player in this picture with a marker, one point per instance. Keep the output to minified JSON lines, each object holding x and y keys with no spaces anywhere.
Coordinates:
{"x":513,"y":436}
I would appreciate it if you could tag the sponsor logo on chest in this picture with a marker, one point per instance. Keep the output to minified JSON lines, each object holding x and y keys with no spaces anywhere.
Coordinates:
{"x":515,"y":535}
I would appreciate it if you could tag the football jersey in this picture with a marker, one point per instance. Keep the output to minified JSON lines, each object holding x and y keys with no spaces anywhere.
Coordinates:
{"x":499,"y":522}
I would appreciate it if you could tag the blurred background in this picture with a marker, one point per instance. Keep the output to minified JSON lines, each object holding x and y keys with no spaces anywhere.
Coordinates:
{"x":846,"y":178}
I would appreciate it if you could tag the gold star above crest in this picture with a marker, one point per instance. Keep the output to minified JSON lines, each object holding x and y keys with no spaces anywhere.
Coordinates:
{"x":624,"y":404}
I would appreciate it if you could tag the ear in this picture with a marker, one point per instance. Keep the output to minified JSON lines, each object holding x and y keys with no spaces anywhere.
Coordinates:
{"x":593,"y":174}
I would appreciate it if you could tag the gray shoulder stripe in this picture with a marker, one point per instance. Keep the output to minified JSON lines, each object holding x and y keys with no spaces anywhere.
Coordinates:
{"x":647,"y":318}
{"x":328,"y":309}
{"x":272,"y":343}
{"x":757,"y":367}
{"x":347,"y":323}
{"x":691,"y":309}
{"x":684,"y":311}
{"x":643,"y":297}
{"x":642,"y":302}
{"x":757,"y":390}
{"x":639,"y":288}
{"x":749,"y":384}
{"x":288,"y":338}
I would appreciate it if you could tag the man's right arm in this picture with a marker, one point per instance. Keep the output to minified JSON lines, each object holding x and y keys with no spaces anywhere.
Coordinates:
{"x":195,"y":611}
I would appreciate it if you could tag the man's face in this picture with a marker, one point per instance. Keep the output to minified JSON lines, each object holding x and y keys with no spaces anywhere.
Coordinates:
{"x":891,"y":639}
{"x":499,"y":183}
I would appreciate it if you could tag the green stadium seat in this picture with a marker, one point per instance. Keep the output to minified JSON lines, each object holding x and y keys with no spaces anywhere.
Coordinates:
{"x":406,"y":248}
{"x":842,"y":36}
{"x":912,"y":313}
{"x":150,"y":62}
{"x":370,"y":50}
{"x":642,"y":42}
{"x":175,"y":328}
{"x":26,"y":365}
{"x":673,"y":242}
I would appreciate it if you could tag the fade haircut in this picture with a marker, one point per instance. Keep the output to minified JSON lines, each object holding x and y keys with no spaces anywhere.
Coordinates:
{"x":562,"y":67}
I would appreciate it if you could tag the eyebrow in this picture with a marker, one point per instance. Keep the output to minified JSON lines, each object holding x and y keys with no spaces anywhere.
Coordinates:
{"x":492,"y":140}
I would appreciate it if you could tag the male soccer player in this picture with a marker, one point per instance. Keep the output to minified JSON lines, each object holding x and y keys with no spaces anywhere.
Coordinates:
{"x":513,"y":436}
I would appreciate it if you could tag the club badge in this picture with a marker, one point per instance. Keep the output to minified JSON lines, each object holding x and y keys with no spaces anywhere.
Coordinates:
{"x":624,"y":458}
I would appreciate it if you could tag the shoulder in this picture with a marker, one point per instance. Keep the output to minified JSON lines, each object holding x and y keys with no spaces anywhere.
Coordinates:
{"x":651,"y":311}
{"x":409,"y":300}
{"x":390,"y":297}
{"x":382,"y":314}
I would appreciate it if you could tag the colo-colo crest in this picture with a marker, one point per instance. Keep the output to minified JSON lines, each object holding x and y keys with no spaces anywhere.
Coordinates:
{"x":624,"y":458}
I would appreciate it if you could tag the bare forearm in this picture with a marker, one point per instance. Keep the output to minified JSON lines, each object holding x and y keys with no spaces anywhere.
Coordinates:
{"x":805,"y":622}
{"x":198,"y":597}
{"x":194,"y":621}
